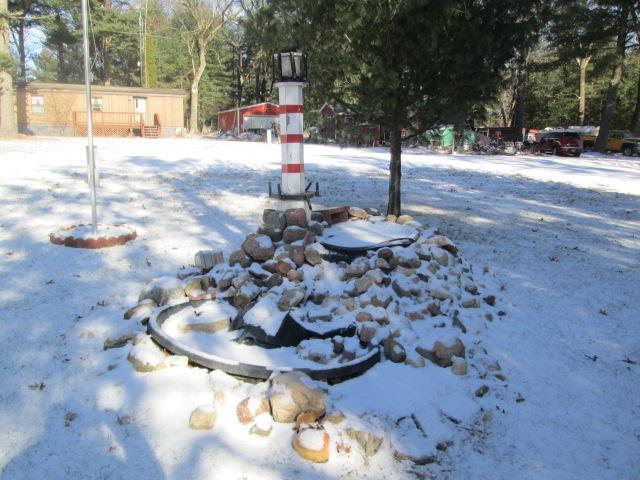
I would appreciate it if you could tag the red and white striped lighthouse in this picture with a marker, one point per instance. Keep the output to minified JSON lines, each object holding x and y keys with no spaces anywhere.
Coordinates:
{"x":291,"y":128}
{"x":289,"y":73}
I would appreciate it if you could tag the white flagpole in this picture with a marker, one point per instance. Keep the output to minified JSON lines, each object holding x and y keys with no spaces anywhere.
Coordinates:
{"x":87,"y":84}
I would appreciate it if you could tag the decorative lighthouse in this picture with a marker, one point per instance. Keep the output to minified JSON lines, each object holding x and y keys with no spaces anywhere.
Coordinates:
{"x":290,"y":76}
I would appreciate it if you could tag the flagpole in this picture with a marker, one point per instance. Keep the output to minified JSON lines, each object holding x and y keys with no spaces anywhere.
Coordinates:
{"x":87,"y":85}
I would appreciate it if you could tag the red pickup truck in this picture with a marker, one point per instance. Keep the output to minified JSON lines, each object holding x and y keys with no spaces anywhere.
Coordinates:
{"x":561,"y":143}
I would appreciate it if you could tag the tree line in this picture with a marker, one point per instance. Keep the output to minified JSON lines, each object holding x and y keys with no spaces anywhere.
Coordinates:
{"x":407,"y":64}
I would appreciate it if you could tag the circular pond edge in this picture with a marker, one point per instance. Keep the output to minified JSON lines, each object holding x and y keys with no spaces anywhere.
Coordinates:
{"x":65,"y":237}
{"x":261,"y":372}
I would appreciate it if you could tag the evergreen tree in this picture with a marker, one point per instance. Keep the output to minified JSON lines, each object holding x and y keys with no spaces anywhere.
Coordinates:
{"x":408,"y":63}
{"x":620,"y":17}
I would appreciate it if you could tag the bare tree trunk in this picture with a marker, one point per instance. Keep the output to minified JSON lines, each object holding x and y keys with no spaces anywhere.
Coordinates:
{"x":202,"y":59}
{"x":521,"y":96}
{"x":7,"y":119}
{"x":395,"y":171}
{"x":635,"y":120}
{"x":22,"y":53}
{"x":609,"y":109}
{"x":583,"y":63}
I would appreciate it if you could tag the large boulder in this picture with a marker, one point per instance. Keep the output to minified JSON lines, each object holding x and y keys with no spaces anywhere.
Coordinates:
{"x":273,"y":219}
{"x":296,"y":216}
{"x":292,"y":393}
{"x":258,"y":247}
{"x":293,"y":233}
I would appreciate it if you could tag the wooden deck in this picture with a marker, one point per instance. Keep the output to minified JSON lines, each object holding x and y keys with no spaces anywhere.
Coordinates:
{"x":116,"y":124}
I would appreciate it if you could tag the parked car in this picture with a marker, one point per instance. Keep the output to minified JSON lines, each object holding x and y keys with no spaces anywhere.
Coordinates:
{"x":561,"y":143}
{"x":618,"y":141}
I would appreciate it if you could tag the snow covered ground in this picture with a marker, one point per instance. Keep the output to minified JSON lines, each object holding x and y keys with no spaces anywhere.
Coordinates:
{"x":561,"y":234}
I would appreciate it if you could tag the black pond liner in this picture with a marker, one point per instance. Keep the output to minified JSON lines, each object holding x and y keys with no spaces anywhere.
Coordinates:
{"x":347,"y":254}
{"x":289,"y":334}
{"x":327,"y":373}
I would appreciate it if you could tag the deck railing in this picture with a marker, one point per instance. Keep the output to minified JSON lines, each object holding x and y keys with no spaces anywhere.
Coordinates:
{"x":110,"y":123}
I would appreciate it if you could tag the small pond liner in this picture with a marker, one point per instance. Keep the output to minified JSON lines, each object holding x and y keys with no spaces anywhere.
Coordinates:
{"x":342,"y":371}
{"x":346,"y":239}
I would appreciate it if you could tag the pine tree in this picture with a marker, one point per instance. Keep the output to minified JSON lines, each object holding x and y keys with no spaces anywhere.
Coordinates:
{"x":406,"y":63}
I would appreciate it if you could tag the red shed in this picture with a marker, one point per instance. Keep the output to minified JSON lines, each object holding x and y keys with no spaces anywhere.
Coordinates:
{"x":261,"y":116}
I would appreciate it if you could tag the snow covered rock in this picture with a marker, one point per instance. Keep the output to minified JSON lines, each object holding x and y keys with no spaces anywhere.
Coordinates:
{"x":335,"y":417}
{"x":315,"y":227}
{"x":211,"y":317}
{"x":293,"y":233}
{"x":406,"y":286}
{"x":368,"y":441}
{"x":312,"y":445}
{"x":358,"y":267}
{"x":358,"y":213}
{"x":471,"y":303}
{"x":442,"y":352}
{"x":296,"y":254}
{"x":249,"y":408}
{"x":239,"y":257}
{"x":440,"y":256}
{"x":291,"y":298}
{"x":285,"y":266}
{"x":444,"y":243}
{"x":142,"y":311}
{"x":207,"y":259}
{"x":292,"y":393}
{"x":296,"y":216}
{"x":367,"y":332}
{"x":145,"y":356}
{"x":274,"y":234}
{"x":245,"y":294}
{"x":402,"y":219}
{"x":263,"y":425}
{"x":312,"y":255}
{"x":203,"y":417}
{"x":394,"y":351}
{"x":258,"y":247}
{"x":163,"y":290}
{"x":118,"y":341}
{"x":459,"y":367}
{"x":274,"y":219}
{"x":193,"y":289}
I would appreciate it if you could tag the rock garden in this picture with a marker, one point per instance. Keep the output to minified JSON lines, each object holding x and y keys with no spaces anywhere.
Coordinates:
{"x":302,"y":310}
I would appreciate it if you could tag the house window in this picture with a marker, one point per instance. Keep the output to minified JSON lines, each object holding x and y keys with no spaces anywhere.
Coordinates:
{"x":37,"y":105}
{"x":96,"y":104}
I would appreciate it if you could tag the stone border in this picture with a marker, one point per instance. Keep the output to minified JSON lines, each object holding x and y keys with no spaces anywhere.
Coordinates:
{"x":333,"y":373}
{"x":91,"y":243}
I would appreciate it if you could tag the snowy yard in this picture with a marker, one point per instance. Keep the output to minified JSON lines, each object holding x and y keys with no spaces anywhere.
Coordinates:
{"x":561,"y":235}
